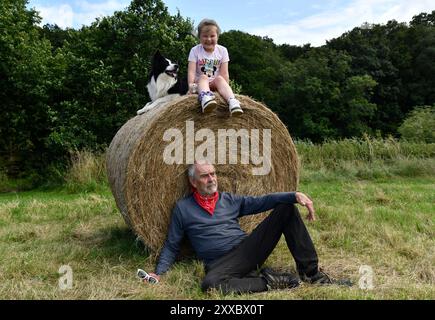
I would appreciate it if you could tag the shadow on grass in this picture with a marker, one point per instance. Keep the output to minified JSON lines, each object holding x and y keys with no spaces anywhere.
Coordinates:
{"x":117,"y":243}
{"x":114,"y":243}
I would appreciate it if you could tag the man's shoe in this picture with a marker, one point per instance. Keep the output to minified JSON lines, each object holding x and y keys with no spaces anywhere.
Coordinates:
{"x":234,"y":107}
{"x":208,"y":102}
{"x":321,"y":278}
{"x":275,"y":280}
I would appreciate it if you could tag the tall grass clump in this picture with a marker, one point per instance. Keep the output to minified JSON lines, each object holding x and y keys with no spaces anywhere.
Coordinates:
{"x":87,"y":172}
{"x":366,"y":158}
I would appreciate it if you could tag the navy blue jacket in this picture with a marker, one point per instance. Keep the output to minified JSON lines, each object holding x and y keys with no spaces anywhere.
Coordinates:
{"x":214,"y":235}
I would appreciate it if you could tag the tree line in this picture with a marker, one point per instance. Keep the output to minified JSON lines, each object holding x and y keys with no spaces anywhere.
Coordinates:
{"x":67,"y":89}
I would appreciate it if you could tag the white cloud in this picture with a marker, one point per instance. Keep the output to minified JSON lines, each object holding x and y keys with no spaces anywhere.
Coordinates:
{"x":62,"y":15}
{"x":90,"y":11}
{"x":333,"y":22}
{"x":79,"y":12}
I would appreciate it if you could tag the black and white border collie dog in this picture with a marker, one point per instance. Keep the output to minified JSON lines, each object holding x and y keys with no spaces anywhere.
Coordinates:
{"x":164,"y":84}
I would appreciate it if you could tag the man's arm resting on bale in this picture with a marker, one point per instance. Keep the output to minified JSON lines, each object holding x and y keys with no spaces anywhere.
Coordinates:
{"x":253,"y":205}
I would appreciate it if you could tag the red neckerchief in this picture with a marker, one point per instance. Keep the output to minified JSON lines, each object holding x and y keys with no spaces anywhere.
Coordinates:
{"x":207,"y":203}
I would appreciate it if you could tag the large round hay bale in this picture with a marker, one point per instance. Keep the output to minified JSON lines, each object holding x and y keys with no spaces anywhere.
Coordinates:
{"x":146,"y":187}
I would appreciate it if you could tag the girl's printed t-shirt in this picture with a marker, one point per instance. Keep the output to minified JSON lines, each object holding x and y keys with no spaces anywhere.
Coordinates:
{"x":208,"y":63}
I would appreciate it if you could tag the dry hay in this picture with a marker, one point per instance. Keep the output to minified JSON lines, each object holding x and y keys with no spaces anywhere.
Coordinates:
{"x":146,"y":188}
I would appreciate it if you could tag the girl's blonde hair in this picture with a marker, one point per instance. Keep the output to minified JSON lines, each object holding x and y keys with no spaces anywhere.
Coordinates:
{"x":206,"y":23}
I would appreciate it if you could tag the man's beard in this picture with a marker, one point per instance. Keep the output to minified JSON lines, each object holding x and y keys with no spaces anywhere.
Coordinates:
{"x":210,"y":189}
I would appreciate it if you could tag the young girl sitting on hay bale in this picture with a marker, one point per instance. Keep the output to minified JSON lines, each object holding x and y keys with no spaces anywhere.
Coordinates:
{"x":208,"y":69}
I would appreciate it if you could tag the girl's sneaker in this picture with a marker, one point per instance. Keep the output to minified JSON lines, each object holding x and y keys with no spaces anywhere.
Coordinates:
{"x":234,"y":106}
{"x":207,"y":100}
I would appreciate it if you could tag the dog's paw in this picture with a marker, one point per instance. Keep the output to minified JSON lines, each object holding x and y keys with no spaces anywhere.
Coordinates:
{"x":143,"y":110}
{"x":147,"y":107}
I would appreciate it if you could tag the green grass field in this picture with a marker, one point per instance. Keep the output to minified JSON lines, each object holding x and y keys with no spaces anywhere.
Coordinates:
{"x":376,"y":214}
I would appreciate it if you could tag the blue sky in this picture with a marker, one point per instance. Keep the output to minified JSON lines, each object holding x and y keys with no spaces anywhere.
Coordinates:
{"x":294,"y":22}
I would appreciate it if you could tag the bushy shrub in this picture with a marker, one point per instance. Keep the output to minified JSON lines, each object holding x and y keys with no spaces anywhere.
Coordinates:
{"x":419,"y":126}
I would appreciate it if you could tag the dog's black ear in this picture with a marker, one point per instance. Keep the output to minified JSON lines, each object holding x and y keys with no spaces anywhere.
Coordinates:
{"x":157,"y":54}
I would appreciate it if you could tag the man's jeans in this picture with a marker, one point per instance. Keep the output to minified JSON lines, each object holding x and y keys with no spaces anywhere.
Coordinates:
{"x":233,"y":272}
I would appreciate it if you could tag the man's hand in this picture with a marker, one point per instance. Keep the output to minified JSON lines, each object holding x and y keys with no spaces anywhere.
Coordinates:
{"x":155,"y":276}
{"x":303,"y":200}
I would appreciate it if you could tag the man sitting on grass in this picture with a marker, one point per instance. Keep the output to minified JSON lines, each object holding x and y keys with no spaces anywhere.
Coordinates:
{"x":210,"y":220}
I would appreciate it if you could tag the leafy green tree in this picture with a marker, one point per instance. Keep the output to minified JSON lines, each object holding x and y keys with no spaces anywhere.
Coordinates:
{"x":56,"y":35}
{"x":422,"y":82}
{"x":423,"y":19}
{"x":399,"y":57}
{"x":319,"y":98}
{"x":292,"y":52}
{"x":256,"y":64}
{"x":368,"y":46}
{"x":28,"y":74}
